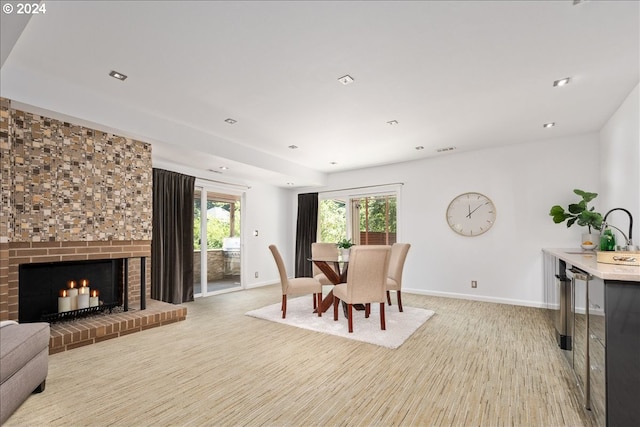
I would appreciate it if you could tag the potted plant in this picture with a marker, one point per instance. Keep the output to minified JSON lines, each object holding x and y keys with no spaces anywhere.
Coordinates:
{"x":343,"y":247}
{"x":580,"y":214}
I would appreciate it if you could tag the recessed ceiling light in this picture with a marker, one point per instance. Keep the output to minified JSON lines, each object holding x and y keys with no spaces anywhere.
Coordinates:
{"x":440,"y":150}
{"x":420,"y":147}
{"x":290,"y":183}
{"x":392,"y":122}
{"x":333,"y":163}
{"x":293,"y":147}
{"x":345,"y":80}
{"x":213,"y":170}
{"x":117,"y":75}
{"x":549,"y":125}
{"x":224,"y":168}
{"x":562,"y":82}
{"x":231,"y":121}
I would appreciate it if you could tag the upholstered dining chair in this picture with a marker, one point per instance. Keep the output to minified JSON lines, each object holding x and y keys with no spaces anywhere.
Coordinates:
{"x":366,"y":281}
{"x":296,"y":286}
{"x":323,"y":250}
{"x":396,"y":265}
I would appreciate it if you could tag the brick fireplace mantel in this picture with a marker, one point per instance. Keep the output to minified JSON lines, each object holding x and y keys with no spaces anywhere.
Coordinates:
{"x":41,"y":252}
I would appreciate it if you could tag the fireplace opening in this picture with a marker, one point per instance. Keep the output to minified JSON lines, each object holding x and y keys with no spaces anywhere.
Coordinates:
{"x":39,"y":285}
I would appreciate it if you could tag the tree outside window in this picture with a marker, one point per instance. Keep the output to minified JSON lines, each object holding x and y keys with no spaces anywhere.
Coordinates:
{"x":219,"y":215}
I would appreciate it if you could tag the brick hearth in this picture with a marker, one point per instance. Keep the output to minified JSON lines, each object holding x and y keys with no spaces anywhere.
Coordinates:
{"x":94,"y":329}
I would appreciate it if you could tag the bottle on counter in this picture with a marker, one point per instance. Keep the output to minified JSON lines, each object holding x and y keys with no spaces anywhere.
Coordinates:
{"x":607,"y":240}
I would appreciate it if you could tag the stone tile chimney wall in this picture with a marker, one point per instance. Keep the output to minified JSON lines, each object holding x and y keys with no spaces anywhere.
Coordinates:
{"x":70,"y":193}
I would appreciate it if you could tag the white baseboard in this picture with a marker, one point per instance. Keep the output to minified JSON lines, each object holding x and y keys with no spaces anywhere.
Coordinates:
{"x":260,"y":284}
{"x":535,"y":304}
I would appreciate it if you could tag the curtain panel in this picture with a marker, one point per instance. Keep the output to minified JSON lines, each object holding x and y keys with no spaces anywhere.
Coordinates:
{"x":306,"y":232}
{"x":172,"y":237}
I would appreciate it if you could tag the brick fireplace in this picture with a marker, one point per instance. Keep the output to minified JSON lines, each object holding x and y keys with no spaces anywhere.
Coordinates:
{"x":72,"y":193}
{"x":41,"y":252}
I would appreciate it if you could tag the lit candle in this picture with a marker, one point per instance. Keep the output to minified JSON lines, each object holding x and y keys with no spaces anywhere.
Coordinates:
{"x":73,"y":294}
{"x":64,"y":302}
{"x":83,"y":301}
{"x":84,"y":287}
{"x":93,"y":300}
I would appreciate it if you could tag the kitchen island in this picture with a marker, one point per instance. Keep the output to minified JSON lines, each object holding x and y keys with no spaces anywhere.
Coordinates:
{"x":606,"y":335}
{"x":586,"y":261}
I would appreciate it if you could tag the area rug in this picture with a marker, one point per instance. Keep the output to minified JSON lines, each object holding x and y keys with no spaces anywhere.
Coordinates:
{"x":400,"y":326}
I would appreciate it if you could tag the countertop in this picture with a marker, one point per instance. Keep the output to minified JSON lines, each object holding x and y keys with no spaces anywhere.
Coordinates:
{"x":586,"y":261}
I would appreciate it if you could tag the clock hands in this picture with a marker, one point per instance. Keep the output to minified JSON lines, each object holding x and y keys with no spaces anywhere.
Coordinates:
{"x":472,"y":211}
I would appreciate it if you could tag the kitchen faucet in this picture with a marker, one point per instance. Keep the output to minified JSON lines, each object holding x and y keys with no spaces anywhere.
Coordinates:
{"x":629,"y":245}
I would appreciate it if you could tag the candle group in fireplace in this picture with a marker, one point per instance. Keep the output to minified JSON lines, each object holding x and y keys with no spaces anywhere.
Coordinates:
{"x":75,"y":298}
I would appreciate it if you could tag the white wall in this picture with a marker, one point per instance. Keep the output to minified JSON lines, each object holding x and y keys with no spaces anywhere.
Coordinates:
{"x":620,"y":164}
{"x":267,"y":209}
{"x":523,"y":181}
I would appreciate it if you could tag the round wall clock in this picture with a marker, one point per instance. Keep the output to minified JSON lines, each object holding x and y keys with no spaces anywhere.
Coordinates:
{"x":471,"y":214}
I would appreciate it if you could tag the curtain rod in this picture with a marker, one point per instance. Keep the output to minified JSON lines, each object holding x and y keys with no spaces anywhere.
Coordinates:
{"x":224,"y":183}
{"x":360,"y":188}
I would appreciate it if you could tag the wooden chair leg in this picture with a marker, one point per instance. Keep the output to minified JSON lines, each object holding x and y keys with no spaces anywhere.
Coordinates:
{"x":318,"y":304}
{"x":314,"y":302}
{"x":399,"y":300}
{"x":350,"y":311}
{"x":389,"y":297}
{"x":383,"y":322}
{"x":284,"y":306}
{"x":367,"y":310}
{"x":335,"y":307}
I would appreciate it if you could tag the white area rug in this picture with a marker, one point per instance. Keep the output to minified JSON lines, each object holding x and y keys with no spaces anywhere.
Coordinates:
{"x":400,"y":326}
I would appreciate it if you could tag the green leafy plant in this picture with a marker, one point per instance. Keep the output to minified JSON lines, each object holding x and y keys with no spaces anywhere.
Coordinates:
{"x":345,"y":244}
{"x":578,"y":213}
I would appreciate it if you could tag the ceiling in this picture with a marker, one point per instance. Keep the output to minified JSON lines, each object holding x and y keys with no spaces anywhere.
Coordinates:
{"x":463,"y":74}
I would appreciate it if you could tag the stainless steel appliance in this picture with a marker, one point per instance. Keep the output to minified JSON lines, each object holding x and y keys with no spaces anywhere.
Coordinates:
{"x":563,"y":321}
{"x":231,"y":255}
{"x":580,"y":334}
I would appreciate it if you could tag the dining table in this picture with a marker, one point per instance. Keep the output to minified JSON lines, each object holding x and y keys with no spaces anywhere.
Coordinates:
{"x":335,"y":269}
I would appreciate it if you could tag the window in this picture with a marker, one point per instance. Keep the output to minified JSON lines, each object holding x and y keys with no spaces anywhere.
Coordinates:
{"x":332,"y":220}
{"x":367,"y":219}
{"x":376,"y":220}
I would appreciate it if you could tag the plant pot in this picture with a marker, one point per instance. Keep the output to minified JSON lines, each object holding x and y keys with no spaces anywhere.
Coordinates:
{"x":590,"y":241}
{"x":344,"y":254}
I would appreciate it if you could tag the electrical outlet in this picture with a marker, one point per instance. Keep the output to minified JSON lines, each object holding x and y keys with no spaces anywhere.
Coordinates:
{"x":474,"y":283}
{"x":256,"y":274}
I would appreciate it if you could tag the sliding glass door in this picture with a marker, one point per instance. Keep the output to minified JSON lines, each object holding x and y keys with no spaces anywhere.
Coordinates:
{"x":216,"y":240}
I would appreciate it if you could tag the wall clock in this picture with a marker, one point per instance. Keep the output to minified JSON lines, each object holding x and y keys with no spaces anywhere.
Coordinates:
{"x":471,"y":214}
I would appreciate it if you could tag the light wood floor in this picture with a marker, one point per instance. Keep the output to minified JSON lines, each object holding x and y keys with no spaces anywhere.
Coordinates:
{"x":472,"y":364}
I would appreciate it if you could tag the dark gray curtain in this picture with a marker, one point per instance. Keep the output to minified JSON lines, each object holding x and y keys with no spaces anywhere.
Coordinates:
{"x":306,"y":232}
{"x":172,"y":237}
